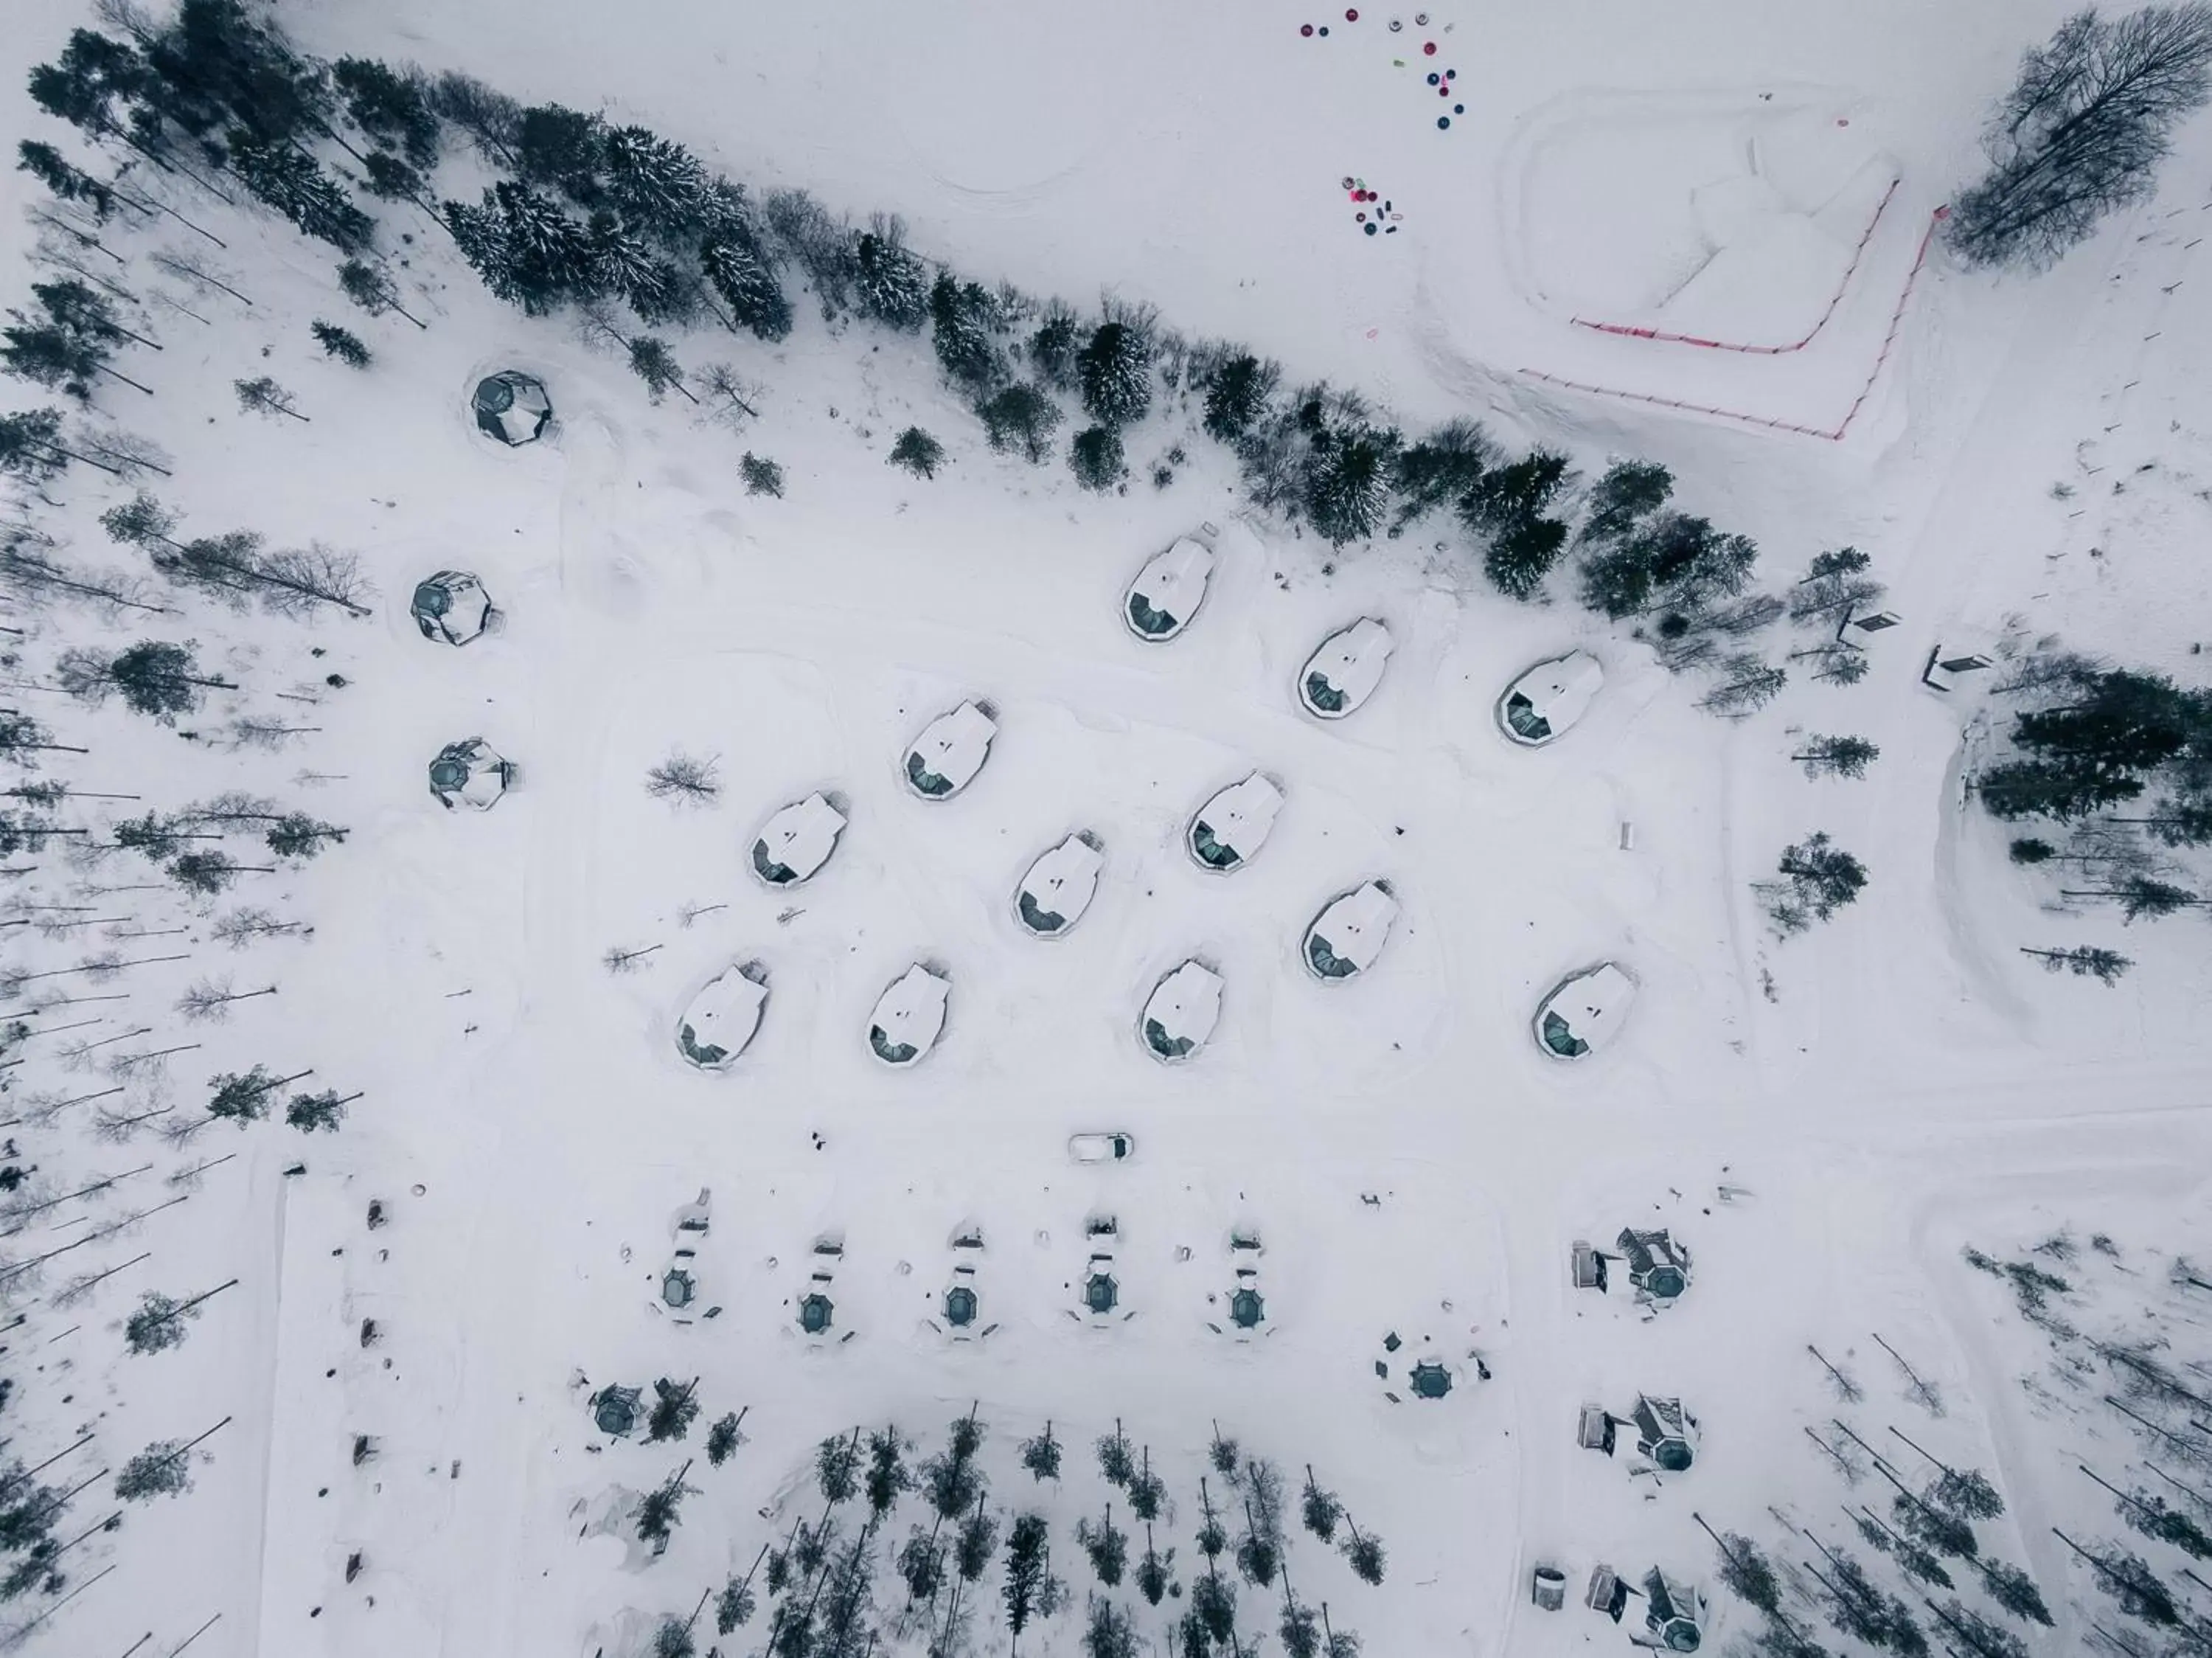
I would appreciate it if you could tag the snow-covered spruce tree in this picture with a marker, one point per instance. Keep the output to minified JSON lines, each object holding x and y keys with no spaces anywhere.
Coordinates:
{"x":2083,"y":961}
{"x":889,"y":280}
{"x":262,"y":395}
{"x":296,"y":835}
{"x":723,"y":1439}
{"x":1095,"y":458}
{"x":389,"y":179}
{"x":1020,"y":418}
{"x":1025,"y":1572}
{"x":1237,"y":389}
{"x":918,"y":452}
{"x":287,"y":179}
{"x":1116,"y":372}
{"x":656,"y":184}
{"x":1819,"y":879}
{"x":1521,"y":555}
{"x":888,"y":1476}
{"x":1053,"y":346}
{"x":962,"y":314}
{"x":244,"y":1097}
{"x":390,"y":106}
{"x":624,"y":266}
{"x":2083,"y":132}
{"x":309,"y":1112}
{"x":527,"y":249}
{"x":2115,"y":733}
{"x":1743,"y":685}
{"x":837,"y":1467}
{"x":372,"y":289}
{"x":661,"y":1510}
{"x":748,"y":285}
{"x":46,"y":164}
{"x":31,"y":447}
{"x":1117,"y":1460}
{"x":1443,"y":469}
{"x":1041,"y":1455}
{"x":1837,"y":581}
{"x":1836,"y":757}
{"x":1670,"y":560}
{"x":652,"y":361}
{"x":161,"y":1322}
{"x":1626,"y":494}
{"x":762,"y":475}
{"x":341,"y":344}
{"x":163,"y":1469}
{"x":1320,"y":1509}
{"x":155,"y":677}
{"x":1348,"y":482}
{"x":561,"y":149}
{"x":1520,"y":490}
{"x":1108,"y":1633}
{"x":1106,"y":1545}
{"x":821,"y":245}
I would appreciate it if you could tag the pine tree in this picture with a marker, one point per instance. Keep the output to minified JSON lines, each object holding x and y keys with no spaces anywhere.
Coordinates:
{"x":1518,"y":490}
{"x":1227,"y":1457}
{"x":243,"y":1097}
{"x":1748,"y":1574}
{"x":1055,"y":345}
{"x":1320,"y":1509}
{"x":1443,"y":469}
{"x":1109,"y":1633}
{"x":1116,"y":372}
{"x":1020,"y":418}
{"x":1213,"y":1603}
{"x":675,"y":1406}
{"x":747,"y":285}
{"x":1364,"y":1551}
{"x":1744,"y":685}
{"x":1154,"y":1570}
{"x":837,"y":1467}
{"x":262,"y":395}
{"x":341,"y":344}
{"x":389,"y":179}
{"x":1236,"y":391}
{"x":1025,"y":1572}
{"x":1095,"y":458}
{"x":1520,"y":555}
{"x":891,"y":282}
{"x":44,"y":163}
{"x":979,"y":1536}
{"x":2015,"y":1591}
{"x":1627,"y":493}
{"x":1148,"y":1493}
{"x":561,"y":147}
{"x":1348,"y":483}
{"x":286,"y":178}
{"x":30,"y":446}
{"x":159,"y":1324}
{"x":661,"y":1511}
{"x":163,"y":1469}
{"x":623,"y":264}
{"x":652,"y":361}
{"x":1106,"y":1545}
{"x":762,"y":475}
{"x":722,"y":1442}
{"x":369,"y":287}
{"x":296,"y":835}
{"x":918,"y":452}
{"x":654,"y":182}
{"x":1041,"y":1455}
{"x":155,"y":677}
{"x":960,"y":315}
{"x":2141,"y":895}
{"x":1115,"y":1461}
{"x":390,"y":106}
{"x":309,"y":1111}
{"x":1819,"y":879}
{"x":1838,"y":757}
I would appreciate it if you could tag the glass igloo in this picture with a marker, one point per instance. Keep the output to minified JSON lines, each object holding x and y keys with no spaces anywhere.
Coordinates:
{"x":451,"y":607}
{"x":470,"y":772}
{"x":512,"y":407}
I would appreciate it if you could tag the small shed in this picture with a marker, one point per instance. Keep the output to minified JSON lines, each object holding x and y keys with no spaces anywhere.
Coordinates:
{"x":472,"y":772}
{"x":451,"y":607}
{"x":1586,"y":1266}
{"x":512,"y":407}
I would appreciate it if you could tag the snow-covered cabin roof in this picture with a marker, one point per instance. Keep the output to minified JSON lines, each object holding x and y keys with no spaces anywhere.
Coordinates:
{"x":1347,"y":936}
{"x":1658,"y":1265}
{"x":1059,"y":886}
{"x":1665,"y":1432}
{"x":1584,"y":1012}
{"x":1168,"y":592}
{"x":1181,"y":1011}
{"x":512,"y":407}
{"x":469,"y":771}
{"x":1343,"y":672}
{"x":1228,"y":830}
{"x":451,"y":607}
{"x":723,"y":1017}
{"x":797,"y":841}
{"x":1550,"y":698}
{"x":951,"y":750}
{"x":908,"y":1016}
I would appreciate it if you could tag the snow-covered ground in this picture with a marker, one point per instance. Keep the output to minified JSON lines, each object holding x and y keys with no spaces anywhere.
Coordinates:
{"x":1824,"y":1121}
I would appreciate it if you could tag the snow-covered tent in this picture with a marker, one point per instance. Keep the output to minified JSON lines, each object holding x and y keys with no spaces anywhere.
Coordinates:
{"x":1343,"y":672}
{"x":512,"y":407}
{"x":797,"y":841}
{"x":1168,"y":592}
{"x":951,"y":750}
{"x":1059,"y":886}
{"x":451,"y":607}
{"x":908,"y":1016}
{"x":1584,"y":1012}
{"x":1657,"y":1265}
{"x":1228,"y":830}
{"x":1546,"y":702}
{"x":470,"y":772}
{"x":1343,"y":941}
{"x":1181,"y":1012}
{"x":723,"y":1018}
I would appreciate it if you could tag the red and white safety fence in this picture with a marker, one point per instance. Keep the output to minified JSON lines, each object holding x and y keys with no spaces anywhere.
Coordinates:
{"x":1833,"y":435}
{"x":1631,"y":332}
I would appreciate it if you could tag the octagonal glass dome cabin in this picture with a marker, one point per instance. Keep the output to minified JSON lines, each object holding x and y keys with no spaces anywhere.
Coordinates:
{"x":815,"y":1314}
{"x":1430,"y":1380}
{"x":470,"y":772}
{"x":1101,"y":1294}
{"x":960,"y":1307}
{"x":1246,"y":1309}
{"x":512,"y":407}
{"x":679,"y":1289}
{"x":451,"y":607}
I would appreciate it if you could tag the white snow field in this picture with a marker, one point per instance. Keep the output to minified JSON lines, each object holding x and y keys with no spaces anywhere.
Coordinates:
{"x":1823,"y":1122}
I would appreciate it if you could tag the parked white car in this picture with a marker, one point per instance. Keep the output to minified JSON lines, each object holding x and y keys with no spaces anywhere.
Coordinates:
{"x":1059,"y":886}
{"x":1168,"y":592}
{"x":1544,"y":702}
{"x":951,"y":750}
{"x":1343,"y":941}
{"x":908,"y":1016}
{"x":1102,"y":1148}
{"x":1343,"y":672}
{"x":1228,"y":832}
{"x":1181,"y":1012}
{"x":796,"y":842}
{"x":1584,"y":1012}
{"x":724,"y":1017}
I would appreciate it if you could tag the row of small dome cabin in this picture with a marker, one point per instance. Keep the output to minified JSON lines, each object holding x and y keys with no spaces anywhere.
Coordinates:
{"x":1178,"y":1018}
